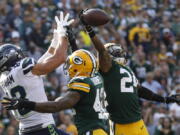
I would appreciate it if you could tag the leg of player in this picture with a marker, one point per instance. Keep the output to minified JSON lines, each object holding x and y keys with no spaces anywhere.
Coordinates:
{"x":96,"y":132}
{"x":136,"y":128}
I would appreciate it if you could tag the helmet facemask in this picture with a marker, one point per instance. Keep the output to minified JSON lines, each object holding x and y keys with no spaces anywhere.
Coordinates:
{"x":9,"y":55}
{"x":117,"y":53}
{"x":69,"y":69}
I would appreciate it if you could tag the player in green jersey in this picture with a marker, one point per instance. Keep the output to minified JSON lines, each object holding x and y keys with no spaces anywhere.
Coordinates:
{"x":85,"y":94}
{"x":122,"y":88}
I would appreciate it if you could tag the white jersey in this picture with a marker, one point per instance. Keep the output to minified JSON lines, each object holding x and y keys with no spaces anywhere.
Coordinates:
{"x":21,"y":83}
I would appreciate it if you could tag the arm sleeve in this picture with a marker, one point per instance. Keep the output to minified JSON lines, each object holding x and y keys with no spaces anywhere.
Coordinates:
{"x":149,"y":95}
{"x":27,"y":65}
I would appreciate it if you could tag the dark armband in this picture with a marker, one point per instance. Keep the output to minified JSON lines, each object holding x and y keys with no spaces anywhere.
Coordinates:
{"x":90,"y":31}
{"x":27,"y":104}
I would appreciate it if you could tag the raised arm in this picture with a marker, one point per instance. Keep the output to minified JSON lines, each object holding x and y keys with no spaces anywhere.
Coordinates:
{"x":52,"y":62}
{"x":71,"y":39}
{"x":49,"y":61}
{"x":61,"y":103}
{"x":105,"y":59}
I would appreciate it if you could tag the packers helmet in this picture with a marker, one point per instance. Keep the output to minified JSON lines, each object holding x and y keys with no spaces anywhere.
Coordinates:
{"x":81,"y":63}
{"x":117,"y":52}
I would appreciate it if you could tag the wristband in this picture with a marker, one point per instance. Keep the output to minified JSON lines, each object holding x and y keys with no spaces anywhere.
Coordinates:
{"x":54,"y":43}
{"x":27,"y":104}
{"x":90,"y":31}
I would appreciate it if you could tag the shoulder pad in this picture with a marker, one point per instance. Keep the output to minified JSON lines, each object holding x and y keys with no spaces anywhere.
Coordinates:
{"x":80,"y":84}
{"x":27,"y":64}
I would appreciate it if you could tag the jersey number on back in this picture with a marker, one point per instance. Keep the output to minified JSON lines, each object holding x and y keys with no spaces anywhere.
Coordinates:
{"x":129,"y":79}
{"x":19,"y":92}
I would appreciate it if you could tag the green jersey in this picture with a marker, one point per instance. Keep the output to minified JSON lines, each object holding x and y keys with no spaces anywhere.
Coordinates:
{"x":90,"y":110}
{"x":122,"y":97}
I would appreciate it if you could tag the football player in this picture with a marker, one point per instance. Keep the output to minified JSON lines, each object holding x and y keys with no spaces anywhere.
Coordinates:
{"x":20,"y":77}
{"x":85,"y":94}
{"x":122,"y":88}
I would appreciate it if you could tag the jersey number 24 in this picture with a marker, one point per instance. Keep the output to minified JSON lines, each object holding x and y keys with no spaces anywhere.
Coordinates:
{"x":130,"y":78}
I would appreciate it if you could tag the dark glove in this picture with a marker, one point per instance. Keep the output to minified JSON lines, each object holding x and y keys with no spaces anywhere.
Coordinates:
{"x":173,"y":99}
{"x":81,"y":16}
{"x":14,"y":103}
{"x":88,"y":28}
{"x":71,"y":38}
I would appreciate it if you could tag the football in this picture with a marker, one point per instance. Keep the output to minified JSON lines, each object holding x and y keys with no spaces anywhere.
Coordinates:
{"x":95,"y":17}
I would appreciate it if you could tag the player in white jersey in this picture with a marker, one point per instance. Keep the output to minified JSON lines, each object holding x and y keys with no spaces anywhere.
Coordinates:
{"x":20,"y":78}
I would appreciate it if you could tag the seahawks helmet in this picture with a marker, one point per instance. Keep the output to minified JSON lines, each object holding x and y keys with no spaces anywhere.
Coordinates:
{"x":117,"y":52}
{"x":9,"y":55}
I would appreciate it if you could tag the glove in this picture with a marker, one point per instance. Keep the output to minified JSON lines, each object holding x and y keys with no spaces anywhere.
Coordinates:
{"x":14,"y":103}
{"x":88,"y":28}
{"x":173,"y":99}
{"x":62,"y":23}
{"x":81,"y":16}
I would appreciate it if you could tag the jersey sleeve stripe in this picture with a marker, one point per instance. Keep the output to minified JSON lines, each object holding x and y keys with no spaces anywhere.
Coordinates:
{"x":81,"y":84}
{"x":27,"y":65}
{"x":79,"y":88}
{"x":27,"y":62}
{"x":28,"y":70}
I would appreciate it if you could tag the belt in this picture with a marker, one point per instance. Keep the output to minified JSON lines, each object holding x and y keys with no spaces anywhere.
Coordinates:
{"x":33,"y":128}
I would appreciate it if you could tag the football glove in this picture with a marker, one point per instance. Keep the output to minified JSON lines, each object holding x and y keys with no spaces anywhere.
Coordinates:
{"x":61,"y":30}
{"x":14,"y":103}
{"x":88,"y":28}
{"x":62,"y":22}
{"x":173,"y":99}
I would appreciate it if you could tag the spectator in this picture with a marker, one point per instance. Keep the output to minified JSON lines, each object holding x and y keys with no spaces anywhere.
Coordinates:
{"x":1,"y":128}
{"x":140,"y":35}
{"x":141,"y":67}
{"x":71,"y":129}
{"x":10,"y":130}
{"x":165,"y":128}
{"x":151,"y":83}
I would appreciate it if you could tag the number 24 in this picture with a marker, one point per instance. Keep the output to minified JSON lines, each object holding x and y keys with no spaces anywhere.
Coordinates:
{"x":129,"y":79}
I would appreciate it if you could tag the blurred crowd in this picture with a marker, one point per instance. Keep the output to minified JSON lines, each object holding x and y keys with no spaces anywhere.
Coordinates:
{"x":149,"y":30}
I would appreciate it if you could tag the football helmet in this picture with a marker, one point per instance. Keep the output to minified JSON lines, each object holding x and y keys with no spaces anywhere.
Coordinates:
{"x":9,"y":55}
{"x":117,"y":53}
{"x":81,"y":63}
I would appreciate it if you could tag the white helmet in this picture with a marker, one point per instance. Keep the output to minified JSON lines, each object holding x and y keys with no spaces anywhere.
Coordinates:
{"x":117,"y":52}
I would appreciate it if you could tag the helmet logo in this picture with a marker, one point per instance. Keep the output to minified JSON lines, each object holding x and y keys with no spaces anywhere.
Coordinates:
{"x":77,"y":60}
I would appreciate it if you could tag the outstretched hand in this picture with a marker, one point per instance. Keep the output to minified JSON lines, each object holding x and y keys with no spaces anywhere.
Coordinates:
{"x":173,"y":99}
{"x":62,"y":22}
{"x":10,"y":103}
{"x":15,"y":103}
{"x":81,"y":16}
